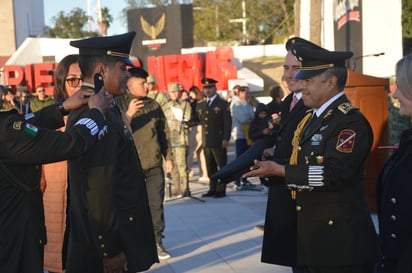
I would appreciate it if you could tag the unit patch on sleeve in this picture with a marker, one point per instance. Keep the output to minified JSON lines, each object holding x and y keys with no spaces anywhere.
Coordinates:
{"x":346,"y":141}
{"x":17,"y":125}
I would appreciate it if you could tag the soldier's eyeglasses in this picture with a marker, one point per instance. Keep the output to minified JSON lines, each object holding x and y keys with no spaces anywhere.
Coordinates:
{"x":73,"y":82}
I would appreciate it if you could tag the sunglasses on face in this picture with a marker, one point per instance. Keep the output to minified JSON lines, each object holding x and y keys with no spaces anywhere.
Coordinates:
{"x":73,"y":82}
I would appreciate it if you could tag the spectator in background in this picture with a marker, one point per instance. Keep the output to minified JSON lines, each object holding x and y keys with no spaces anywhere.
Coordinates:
{"x":24,"y":101}
{"x":195,"y":137}
{"x":178,"y":112}
{"x":40,"y":100}
{"x":151,"y":136}
{"x":9,"y":100}
{"x":67,"y":79}
{"x":242,"y":113}
{"x":231,"y":95}
{"x":184,"y":95}
{"x":277,"y":94}
{"x":160,"y":97}
{"x":394,"y":188}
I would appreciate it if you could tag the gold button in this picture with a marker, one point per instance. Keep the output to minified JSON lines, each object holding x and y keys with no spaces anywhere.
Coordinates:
{"x":393,"y":236}
{"x":131,"y":219}
{"x":298,"y":208}
{"x":102,"y":245}
{"x":330,"y":223}
{"x":299,"y":148}
{"x":100,"y":237}
{"x":40,"y":241}
{"x":105,"y":254}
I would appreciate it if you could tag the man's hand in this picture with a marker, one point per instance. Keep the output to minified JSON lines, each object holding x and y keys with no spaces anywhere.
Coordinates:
{"x":225,"y":143}
{"x":134,"y":106}
{"x":79,"y":98}
{"x":115,"y":264}
{"x":169,"y":166}
{"x":102,"y":100}
{"x":265,"y":169}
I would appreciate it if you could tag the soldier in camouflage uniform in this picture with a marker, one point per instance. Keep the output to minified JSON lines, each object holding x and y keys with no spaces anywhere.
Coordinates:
{"x":177,"y":111}
{"x":160,"y":97}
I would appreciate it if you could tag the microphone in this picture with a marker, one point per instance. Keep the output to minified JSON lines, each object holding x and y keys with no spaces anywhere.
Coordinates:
{"x":364,"y":56}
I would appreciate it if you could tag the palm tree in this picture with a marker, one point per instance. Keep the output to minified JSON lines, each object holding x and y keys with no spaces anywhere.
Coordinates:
{"x":105,"y":22}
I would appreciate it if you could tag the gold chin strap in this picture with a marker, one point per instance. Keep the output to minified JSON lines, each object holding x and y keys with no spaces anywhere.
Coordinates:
{"x":295,"y":145}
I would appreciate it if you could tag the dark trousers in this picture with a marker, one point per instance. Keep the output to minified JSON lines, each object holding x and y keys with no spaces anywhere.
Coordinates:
{"x":216,"y":158}
{"x":155,"y":186}
{"x":360,"y":268}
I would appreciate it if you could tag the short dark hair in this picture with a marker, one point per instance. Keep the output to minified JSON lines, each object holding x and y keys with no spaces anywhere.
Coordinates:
{"x":87,"y":63}
{"x":138,"y":72}
{"x":341,"y":73}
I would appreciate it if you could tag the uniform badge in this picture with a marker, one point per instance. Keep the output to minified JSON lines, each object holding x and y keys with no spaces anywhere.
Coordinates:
{"x":323,"y":128}
{"x":346,"y":141}
{"x":316,"y":139}
{"x":17,"y":125}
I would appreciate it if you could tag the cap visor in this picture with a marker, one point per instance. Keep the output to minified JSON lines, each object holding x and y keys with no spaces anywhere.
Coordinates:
{"x":126,"y":61}
{"x":307,"y":74}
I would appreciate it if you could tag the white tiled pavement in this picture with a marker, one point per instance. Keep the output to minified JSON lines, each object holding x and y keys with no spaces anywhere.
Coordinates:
{"x":215,"y":236}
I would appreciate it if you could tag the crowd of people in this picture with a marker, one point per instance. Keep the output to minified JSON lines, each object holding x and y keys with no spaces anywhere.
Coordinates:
{"x":308,"y":146}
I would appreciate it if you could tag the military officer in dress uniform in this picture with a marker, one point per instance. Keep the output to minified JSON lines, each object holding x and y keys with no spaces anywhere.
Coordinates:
{"x":25,"y":145}
{"x":214,"y":116}
{"x":325,"y":173}
{"x":110,"y":225}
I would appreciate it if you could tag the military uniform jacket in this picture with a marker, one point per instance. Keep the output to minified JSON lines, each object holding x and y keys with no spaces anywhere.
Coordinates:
{"x":108,"y":208}
{"x":394,"y":190}
{"x":150,"y":132}
{"x":334,"y":226}
{"x":279,"y":238}
{"x":24,"y":147}
{"x":216,"y":122}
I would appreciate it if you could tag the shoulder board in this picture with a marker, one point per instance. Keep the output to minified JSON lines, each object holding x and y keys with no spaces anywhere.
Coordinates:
{"x":346,"y":107}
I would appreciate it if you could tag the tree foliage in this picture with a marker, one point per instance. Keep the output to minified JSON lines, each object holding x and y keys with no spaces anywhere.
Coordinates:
{"x":74,"y":24}
{"x":267,"y":21}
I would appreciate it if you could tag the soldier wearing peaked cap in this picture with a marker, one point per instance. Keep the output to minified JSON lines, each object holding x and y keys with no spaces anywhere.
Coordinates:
{"x":110,"y":224}
{"x":214,"y":115}
{"x":325,"y":173}
{"x":25,"y":145}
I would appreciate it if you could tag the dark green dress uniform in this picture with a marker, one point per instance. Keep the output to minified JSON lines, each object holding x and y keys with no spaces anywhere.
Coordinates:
{"x":108,"y":206}
{"x":334,"y":227}
{"x":217,"y":124}
{"x":394,"y":190}
{"x":109,"y":211}
{"x":24,"y":147}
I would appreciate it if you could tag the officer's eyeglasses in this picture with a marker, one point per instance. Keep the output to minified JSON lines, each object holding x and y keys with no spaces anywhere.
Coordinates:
{"x":73,"y":82}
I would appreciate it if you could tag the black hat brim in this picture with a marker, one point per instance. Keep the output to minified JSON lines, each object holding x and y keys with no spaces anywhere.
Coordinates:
{"x":307,"y":74}
{"x":126,"y":61}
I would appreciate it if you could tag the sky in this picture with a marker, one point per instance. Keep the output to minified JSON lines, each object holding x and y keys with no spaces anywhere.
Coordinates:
{"x":53,"y":7}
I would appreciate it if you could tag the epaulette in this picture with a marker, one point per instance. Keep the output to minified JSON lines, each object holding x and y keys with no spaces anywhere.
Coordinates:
{"x":346,"y":107}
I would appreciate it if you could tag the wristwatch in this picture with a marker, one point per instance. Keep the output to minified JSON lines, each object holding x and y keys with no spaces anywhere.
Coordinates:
{"x":63,"y":111}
